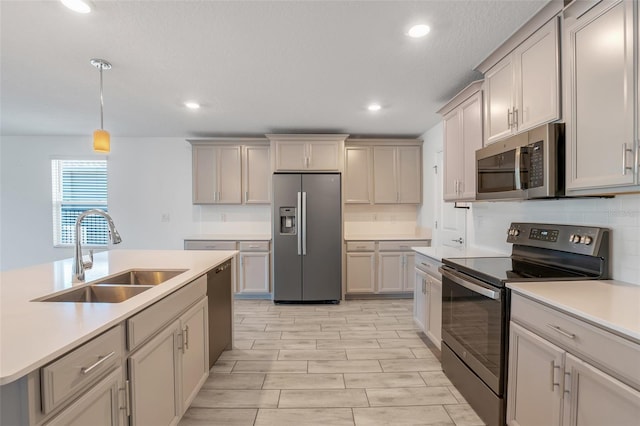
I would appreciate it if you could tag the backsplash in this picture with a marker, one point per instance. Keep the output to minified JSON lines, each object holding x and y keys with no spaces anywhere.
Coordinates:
{"x":230,"y":219}
{"x":488,"y":222}
{"x":380,"y":220}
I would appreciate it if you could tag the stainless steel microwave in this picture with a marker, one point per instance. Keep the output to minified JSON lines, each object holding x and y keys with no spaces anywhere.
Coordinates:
{"x":525,"y":166}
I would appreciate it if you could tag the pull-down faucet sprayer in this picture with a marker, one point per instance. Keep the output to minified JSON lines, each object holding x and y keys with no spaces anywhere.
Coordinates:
{"x":78,"y":264}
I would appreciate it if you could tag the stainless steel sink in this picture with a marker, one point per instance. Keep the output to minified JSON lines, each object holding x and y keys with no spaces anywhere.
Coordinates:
{"x":98,"y":294}
{"x":142,"y":277}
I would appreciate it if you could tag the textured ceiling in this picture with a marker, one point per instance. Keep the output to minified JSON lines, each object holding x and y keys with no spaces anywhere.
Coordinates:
{"x":256,"y":66}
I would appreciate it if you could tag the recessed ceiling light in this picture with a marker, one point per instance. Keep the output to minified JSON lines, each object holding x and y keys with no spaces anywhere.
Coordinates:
{"x":192,"y":105}
{"x":79,"y":6}
{"x":418,"y":31}
{"x":374,"y":107}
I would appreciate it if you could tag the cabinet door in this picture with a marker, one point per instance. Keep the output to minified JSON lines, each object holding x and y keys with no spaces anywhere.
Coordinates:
{"x":390,"y":272}
{"x":154,"y":374}
{"x":408,"y":266}
{"x":595,"y":398}
{"x":385,"y":185}
{"x":453,"y":155}
{"x":420,"y":300}
{"x":254,"y":272}
{"x":534,"y":394}
{"x":471,"y":140}
{"x":600,"y":129}
{"x":101,"y":405}
{"x":434,"y":311}
{"x":409,"y":174}
{"x":361,"y":272}
{"x":357,"y":181}
{"x":290,"y":155}
{"x":257,"y":175}
{"x":204,"y":174}
{"x":538,"y":72}
{"x":499,"y":102}
{"x":195,"y":352}
{"x":323,"y":155}
{"x":229,"y":175}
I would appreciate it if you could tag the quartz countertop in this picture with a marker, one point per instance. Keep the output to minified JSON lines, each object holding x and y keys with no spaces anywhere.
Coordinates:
{"x":608,"y":304}
{"x":229,"y":237}
{"x":34,"y":333}
{"x":440,"y":252}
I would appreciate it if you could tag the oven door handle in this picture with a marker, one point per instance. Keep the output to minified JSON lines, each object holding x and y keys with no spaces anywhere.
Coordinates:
{"x":470,"y":284}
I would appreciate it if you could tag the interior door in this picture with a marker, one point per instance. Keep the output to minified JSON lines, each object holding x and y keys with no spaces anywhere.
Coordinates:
{"x":451,"y":221}
{"x":322,"y":235}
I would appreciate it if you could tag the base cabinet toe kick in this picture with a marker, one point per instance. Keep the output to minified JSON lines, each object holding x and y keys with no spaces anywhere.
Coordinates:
{"x":144,"y":371}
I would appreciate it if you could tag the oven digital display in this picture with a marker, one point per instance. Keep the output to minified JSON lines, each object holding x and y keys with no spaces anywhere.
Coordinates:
{"x":550,"y":235}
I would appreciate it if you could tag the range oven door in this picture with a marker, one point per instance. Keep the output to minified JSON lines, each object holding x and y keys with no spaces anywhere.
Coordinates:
{"x":474,"y":325}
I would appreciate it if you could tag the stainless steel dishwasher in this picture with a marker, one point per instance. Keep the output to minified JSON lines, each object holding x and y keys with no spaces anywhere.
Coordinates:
{"x":220,"y":300}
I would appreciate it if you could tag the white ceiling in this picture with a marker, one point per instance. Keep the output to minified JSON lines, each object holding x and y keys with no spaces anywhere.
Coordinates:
{"x":256,"y":66}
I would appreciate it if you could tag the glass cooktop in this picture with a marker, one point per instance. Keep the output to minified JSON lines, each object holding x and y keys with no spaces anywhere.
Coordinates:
{"x":498,"y":270}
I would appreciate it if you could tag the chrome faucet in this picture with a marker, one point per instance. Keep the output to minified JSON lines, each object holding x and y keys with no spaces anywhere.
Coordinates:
{"x":80,"y":265}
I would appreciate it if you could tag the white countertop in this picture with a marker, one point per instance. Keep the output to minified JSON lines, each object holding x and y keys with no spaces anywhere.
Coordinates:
{"x":609,"y":304}
{"x":35,"y":333}
{"x":440,"y":252}
{"x":386,"y":237}
{"x":229,"y":237}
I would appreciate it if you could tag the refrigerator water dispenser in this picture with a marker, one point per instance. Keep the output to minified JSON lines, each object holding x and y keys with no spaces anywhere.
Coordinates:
{"x":287,"y":220}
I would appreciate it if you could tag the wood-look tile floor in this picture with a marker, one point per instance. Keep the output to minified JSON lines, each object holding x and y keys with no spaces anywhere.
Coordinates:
{"x":357,"y":363}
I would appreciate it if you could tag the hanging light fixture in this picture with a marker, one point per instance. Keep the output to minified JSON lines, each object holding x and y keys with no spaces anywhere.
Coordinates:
{"x":101,"y":138}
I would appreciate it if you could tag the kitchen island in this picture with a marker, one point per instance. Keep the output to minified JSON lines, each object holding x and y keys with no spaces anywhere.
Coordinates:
{"x":38,"y":338}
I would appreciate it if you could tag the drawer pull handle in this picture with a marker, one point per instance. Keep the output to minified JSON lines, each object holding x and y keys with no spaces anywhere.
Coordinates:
{"x":361,"y":247}
{"x":253,"y":246}
{"x":425,"y":264}
{"x":101,"y":359}
{"x":210,"y":247}
{"x":561,"y":331}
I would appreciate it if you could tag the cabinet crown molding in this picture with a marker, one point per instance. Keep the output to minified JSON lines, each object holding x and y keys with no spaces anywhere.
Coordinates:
{"x":303,"y":137}
{"x":544,"y":15}
{"x":383,"y":142}
{"x":228,"y":141}
{"x":461,"y":96}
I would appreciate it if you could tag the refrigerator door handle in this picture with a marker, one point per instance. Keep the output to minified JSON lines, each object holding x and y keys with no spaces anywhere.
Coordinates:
{"x":304,"y":223}
{"x":298,"y":214}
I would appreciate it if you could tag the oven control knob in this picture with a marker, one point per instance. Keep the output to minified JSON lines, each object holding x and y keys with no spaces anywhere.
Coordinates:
{"x":516,"y":232}
{"x":587,"y":240}
{"x":510,"y":232}
{"x":575,"y":238}
{"x":571,"y":237}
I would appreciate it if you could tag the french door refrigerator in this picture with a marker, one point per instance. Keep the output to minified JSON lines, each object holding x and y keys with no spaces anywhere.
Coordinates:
{"x":307,"y":235}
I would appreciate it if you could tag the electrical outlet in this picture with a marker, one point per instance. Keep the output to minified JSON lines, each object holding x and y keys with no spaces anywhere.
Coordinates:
{"x":166,"y":217}
{"x":223,"y":217}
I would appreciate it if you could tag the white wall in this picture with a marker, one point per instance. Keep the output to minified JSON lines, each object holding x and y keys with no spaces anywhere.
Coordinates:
{"x":427,"y":212}
{"x":148,"y":178}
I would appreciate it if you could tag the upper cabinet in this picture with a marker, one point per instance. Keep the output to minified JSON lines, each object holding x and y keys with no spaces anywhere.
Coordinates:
{"x":397,"y":174}
{"x":216,"y":174}
{"x":307,"y":152}
{"x":601,"y":97}
{"x":462,"y":119}
{"x":231,"y":171}
{"x":358,"y":174}
{"x":522,"y":90}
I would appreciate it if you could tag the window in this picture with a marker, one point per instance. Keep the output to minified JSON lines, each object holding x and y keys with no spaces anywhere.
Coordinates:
{"x":77,"y":186}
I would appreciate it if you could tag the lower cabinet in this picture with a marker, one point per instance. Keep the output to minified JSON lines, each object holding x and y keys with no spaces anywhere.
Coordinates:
{"x":395,"y":272}
{"x":361,"y":272}
{"x":427,"y":298}
{"x":549,"y":383}
{"x":254,"y":276}
{"x":102,"y":405}
{"x":180,"y":352}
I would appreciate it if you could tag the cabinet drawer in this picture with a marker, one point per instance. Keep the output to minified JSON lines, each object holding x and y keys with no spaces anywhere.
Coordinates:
{"x":254,"y":245}
{"x":361,"y":246}
{"x":401,"y":245}
{"x":209,"y":245}
{"x":80,"y":368}
{"x":610,"y":352}
{"x":428,"y":265}
{"x":143,"y":325}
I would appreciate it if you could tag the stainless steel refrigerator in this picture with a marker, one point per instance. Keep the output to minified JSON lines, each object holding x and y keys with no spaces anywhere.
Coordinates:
{"x":307,"y":234}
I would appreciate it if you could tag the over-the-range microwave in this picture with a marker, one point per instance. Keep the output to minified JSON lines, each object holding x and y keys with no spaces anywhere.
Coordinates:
{"x":525,"y":166}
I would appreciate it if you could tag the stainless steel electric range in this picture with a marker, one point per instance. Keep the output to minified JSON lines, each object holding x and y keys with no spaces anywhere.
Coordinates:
{"x":475,"y":303}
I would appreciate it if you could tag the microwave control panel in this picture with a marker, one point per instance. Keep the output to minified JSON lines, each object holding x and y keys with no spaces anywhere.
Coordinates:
{"x":536,"y":164}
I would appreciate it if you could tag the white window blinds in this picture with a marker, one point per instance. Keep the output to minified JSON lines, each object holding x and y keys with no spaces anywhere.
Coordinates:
{"x":79,"y":185}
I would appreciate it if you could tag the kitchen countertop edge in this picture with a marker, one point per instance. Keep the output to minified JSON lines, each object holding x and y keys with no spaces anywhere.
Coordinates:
{"x":17,"y":369}
{"x":440,"y":252}
{"x":608,"y":304}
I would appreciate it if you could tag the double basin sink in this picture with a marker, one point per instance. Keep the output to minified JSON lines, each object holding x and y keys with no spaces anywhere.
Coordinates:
{"x":115,"y":289}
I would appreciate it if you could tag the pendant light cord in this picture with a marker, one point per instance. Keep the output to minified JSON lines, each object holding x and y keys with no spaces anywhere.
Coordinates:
{"x":101,"y":102}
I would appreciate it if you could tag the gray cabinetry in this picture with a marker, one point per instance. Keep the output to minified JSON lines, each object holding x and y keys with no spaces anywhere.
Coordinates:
{"x":601,"y":97}
{"x":563,"y":371}
{"x":397,"y":172}
{"x":427,"y":307}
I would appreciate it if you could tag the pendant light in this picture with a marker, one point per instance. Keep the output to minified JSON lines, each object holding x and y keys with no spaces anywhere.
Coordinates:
{"x":101,"y":138}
